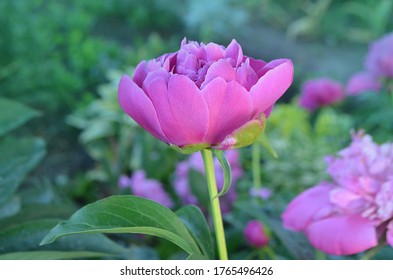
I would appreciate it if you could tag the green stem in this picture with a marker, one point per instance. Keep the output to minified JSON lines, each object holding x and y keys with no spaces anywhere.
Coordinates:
{"x":256,"y":165}
{"x":215,"y":204}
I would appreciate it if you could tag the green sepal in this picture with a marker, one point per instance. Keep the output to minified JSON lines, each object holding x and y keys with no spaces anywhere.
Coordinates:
{"x":226,"y":168}
{"x":190,"y":149}
{"x":245,"y":135}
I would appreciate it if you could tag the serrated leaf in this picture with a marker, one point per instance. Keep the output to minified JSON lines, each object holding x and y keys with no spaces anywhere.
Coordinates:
{"x":14,"y":114}
{"x":17,"y":158}
{"x":126,"y":214}
{"x":52,"y":255}
{"x":227,"y":173}
{"x":193,"y":218}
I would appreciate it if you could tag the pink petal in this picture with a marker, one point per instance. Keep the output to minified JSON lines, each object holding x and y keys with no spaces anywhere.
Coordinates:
{"x":140,"y":73}
{"x":310,"y":204}
{"x":189,"y":110}
{"x":271,"y":87}
{"x":345,"y":235}
{"x":230,"y":107}
{"x":256,"y":64}
{"x":213,"y":52}
{"x":139,"y":107}
{"x":246,"y":76}
{"x":157,"y":90}
{"x":221,"y":68}
{"x":151,"y":76}
{"x":235,"y":53}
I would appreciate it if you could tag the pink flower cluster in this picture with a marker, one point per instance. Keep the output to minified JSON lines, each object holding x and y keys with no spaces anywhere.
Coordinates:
{"x":144,"y":187}
{"x":321,"y":92}
{"x":353,"y":212}
{"x":195,"y":162}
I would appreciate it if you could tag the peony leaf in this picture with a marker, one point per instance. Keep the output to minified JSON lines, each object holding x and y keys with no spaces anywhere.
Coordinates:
{"x":52,"y":255}
{"x":263,"y":140}
{"x":226,"y":168}
{"x":193,"y":218}
{"x":127,"y":214}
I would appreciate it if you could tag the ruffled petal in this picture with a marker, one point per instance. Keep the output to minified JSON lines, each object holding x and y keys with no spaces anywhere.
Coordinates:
{"x":139,"y":107}
{"x":235,"y":53}
{"x":305,"y":208}
{"x":221,"y":68}
{"x":189,"y":110}
{"x":230,"y":107}
{"x":342,"y":235}
{"x":246,"y":76}
{"x":271,"y":86}
{"x":213,"y":52}
{"x":140,"y":73}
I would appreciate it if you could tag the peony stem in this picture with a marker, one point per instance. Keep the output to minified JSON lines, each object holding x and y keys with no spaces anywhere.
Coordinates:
{"x":207,"y":156}
{"x":256,"y":168}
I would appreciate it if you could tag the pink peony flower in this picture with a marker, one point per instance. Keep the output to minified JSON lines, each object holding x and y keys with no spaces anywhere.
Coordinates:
{"x":320,"y":92}
{"x":182,"y":186}
{"x":379,"y":59}
{"x":203,"y":95}
{"x":350,"y":214}
{"x":361,"y":82}
{"x":255,"y":235}
{"x":147,"y":188}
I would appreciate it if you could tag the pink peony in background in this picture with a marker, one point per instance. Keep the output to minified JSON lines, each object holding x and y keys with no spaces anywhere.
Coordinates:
{"x":144,"y":187}
{"x":255,"y":234}
{"x":203,"y":94}
{"x":350,"y":214}
{"x":379,"y":60}
{"x":362,"y":82}
{"x":320,"y":92}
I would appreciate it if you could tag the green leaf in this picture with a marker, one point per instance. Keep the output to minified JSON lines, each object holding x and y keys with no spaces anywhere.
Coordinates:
{"x":193,"y":218}
{"x":17,"y":158}
{"x":14,"y":114}
{"x":52,"y":255}
{"x":10,"y":208}
{"x":263,"y":140}
{"x":127,"y":214}
{"x":27,"y":236}
{"x":226,"y":168}
{"x":197,"y":257}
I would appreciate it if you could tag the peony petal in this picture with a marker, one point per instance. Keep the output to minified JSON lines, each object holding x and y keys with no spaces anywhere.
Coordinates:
{"x":140,"y":73}
{"x":246,"y":76}
{"x":151,"y":76}
{"x":157,"y":90}
{"x":271,"y":87}
{"x":230,"y":107}
{"x":235,"y":53}
{"x":189,"y":110}
{"x":139,"y":107}
{"x":213,"y":52}
{"x":342,"y":235}
{"x":221,"y":68}
{"x":307,"y":206}
{"x":256,"y":64}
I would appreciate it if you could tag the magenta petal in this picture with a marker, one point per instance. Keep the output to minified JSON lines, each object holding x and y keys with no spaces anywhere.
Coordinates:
{"x":310,"y":204}
{"x":189,"y":110}
{"x":235,"y":53}
{"x":213,"y":52}
{"x":221,"y":68}
{"x":151,"y":76}
{"x":246,"y":76}
{"x":140,"y":73}
{"x":230,"y":107}
{"x":342,"y":235}
{"x":271,"y":87}
{"x":256,"y":64}
{"x":157,"y":90}
{"x":139,"y":107}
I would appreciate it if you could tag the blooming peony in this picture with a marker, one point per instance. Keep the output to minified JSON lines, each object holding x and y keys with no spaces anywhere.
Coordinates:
{"x":204,"y":95}
{"x":350,"y":214}
{"x":255,"y":235}
{"x":195,"y":162}
{"x":361,"y":82}
{"x":144,"y":187}
{"x":320,"y":92}
{"x":379,"y":59}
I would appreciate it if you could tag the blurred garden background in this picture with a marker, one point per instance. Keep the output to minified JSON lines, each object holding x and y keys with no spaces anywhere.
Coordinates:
{"x":65,"y":142}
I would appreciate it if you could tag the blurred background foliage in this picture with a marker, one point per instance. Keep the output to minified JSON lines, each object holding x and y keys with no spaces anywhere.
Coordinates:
{"x":65,"y":58}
